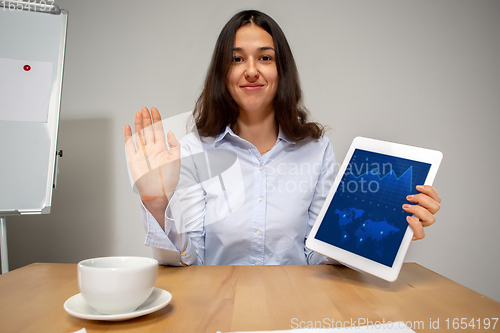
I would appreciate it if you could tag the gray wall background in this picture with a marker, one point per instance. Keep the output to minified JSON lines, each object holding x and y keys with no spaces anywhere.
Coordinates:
{"x":423,"y":73}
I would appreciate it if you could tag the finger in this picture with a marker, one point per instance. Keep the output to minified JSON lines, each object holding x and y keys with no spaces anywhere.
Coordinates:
{"x":157,"y":126}
{"x":175,"y":147}
{"x":138,"y":130}
{"x":425,"y":201}
{"x":430,"y":191}
{"x":418,"y":229}
{"x":148,"y":128}
{"x":129,"y":143}
{"x":426,"y":218}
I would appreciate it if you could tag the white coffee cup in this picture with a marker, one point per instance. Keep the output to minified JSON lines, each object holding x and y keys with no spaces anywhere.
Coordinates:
{"x":115,"y":285}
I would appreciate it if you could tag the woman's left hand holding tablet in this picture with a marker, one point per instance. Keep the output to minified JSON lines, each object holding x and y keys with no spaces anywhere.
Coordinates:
{"x":427,"y":203}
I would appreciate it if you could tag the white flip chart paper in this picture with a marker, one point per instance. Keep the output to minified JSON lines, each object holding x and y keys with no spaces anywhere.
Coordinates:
{"x":25,"y":88}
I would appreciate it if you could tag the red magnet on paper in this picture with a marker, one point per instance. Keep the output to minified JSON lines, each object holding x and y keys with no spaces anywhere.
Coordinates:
{"x":27,"y":68}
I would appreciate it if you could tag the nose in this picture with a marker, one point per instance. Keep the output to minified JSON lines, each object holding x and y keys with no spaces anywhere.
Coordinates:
{"x":251,"y":71}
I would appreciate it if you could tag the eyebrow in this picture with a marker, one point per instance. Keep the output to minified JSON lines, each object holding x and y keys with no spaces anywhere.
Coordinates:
{"x":264,"y":48}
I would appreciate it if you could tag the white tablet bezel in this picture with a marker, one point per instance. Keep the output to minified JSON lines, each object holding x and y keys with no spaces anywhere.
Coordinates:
{"x":356,"y":261}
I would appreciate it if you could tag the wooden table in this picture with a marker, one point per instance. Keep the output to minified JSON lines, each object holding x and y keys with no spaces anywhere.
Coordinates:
{"x":239,"y":298}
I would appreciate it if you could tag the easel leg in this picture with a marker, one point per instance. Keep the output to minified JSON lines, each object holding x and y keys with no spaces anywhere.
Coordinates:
{"x":4,"y":254}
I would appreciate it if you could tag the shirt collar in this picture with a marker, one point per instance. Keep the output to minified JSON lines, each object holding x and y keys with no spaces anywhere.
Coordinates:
{"x":229,"y":131}
{"x":282,"y":136}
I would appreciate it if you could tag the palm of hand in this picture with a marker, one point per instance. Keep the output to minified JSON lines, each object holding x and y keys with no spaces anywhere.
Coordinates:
{"x":155,"y":170}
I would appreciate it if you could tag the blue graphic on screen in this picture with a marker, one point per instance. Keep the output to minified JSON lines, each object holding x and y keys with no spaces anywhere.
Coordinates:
{"x":365,"y":215}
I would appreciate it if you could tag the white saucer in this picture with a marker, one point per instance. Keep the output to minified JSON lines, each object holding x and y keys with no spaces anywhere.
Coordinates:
{"x":76,"y":306}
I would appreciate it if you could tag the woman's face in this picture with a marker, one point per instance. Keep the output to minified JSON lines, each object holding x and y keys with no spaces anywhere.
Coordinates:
{"x":252,"y":80}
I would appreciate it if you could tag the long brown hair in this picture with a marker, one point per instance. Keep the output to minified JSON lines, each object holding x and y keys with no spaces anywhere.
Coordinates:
{"x":215,"y":108}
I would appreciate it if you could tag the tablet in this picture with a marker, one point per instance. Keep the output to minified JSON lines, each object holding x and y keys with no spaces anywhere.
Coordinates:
{"x":362,"y":223}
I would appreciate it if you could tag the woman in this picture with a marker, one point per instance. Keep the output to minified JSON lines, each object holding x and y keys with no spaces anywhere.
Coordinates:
{"x":250,"y":109}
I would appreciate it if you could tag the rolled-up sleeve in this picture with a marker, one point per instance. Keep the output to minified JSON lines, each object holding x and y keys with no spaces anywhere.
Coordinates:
{"x":183,"y":240}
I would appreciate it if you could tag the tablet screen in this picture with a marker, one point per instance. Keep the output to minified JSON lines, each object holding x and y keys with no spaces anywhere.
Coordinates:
{"x":365,"y":215}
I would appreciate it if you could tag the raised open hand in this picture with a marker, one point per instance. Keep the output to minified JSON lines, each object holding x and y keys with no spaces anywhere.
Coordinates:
{"x":155,"y":168}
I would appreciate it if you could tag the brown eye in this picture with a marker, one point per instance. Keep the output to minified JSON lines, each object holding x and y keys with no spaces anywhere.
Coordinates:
{"x":266,"y":58}
{"x":237,"y":59}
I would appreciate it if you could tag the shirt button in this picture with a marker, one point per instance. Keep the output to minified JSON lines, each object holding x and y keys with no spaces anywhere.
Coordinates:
{"x":183,"y":253}
{"x":260,"y":168}
{"x":258,"y":232}
{"x":256,"y":263}
{"x":260,"y":199}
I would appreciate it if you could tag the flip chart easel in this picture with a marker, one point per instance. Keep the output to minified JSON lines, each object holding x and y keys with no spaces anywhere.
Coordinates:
{"x":32,"y":45}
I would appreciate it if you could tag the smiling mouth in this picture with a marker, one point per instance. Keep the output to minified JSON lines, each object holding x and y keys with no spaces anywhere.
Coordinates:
{"x":251,"y":87}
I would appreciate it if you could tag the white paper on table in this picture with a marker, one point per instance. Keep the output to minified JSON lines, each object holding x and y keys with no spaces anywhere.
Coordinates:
{"x":25,"y":88}
{"x":390,"y":327}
